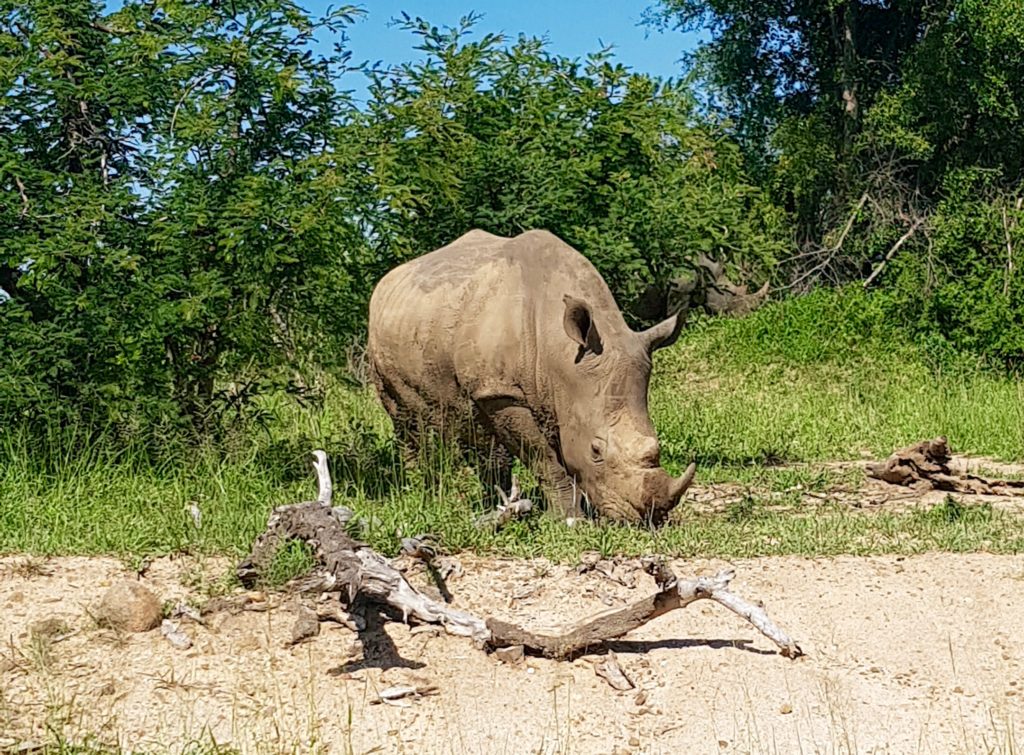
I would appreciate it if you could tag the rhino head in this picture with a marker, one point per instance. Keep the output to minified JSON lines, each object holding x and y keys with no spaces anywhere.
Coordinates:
{"x":706,"y":288}
{"x":607,"y":439}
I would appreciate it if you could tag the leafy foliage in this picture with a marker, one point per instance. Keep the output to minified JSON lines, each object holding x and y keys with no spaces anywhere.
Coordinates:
{"x":192,"y":210}
{"x":874,"y":121}
{"x":511,"y":137}
{"x":172,"y":194}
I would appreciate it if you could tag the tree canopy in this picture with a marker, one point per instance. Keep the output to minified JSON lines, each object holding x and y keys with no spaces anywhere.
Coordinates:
{"x":191,"y":207}
{"x":871,"y":121}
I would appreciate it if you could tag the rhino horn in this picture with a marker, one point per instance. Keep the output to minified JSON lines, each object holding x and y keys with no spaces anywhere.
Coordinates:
{"x":674,"y":492}
{"x":663,"y":334}
{"x":680,"y":485}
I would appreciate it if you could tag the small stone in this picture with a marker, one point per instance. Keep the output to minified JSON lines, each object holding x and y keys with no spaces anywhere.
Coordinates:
{"x":307,"y":624}
{"x":1011,"y":693}
{"x":130,"y":607}
{"x":107,"y":689}
{"x":958,"y":690}
{"x":875,"y":670}
{"x":48,"y":628}
{"x":723,"y":743}
{"x":786,"y":709}
{"x":175,"y":636}
{"x":16,"y":597}
{"x":634,"y":742}
{"x":641,"y":698}
{"x":513,"y":654}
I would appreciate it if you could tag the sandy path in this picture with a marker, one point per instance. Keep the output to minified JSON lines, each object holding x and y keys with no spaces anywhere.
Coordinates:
{"x":923,"y":654}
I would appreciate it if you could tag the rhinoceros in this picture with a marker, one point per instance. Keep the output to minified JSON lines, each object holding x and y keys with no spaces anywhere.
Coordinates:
{"x":707,"y":288}
{"x":519,"y":342}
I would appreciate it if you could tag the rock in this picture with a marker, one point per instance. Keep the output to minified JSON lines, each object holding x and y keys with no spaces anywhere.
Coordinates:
{"x":130,"y":607}
{"x":48,"y":628}
{"x":174,"y":635}
{"x":513,"y":654}
{"x":610,"y":670}
{"x":307,"y":624}
{"x":786,"y":709}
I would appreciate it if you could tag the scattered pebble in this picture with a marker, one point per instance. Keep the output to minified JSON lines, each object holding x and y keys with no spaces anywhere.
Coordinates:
{"x":129,"y":606}
{"x":178,"y":639}
{"x":513,"y":654}
{"x":307,"y":624}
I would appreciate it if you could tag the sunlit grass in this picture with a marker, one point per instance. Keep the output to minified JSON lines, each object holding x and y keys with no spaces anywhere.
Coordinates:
{"x":754,"y":401}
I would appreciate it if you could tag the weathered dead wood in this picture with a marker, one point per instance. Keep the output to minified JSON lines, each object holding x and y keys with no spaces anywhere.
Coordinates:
{"x":925,"y":466}
{"x":611,"y":671}
{"x":512,"y":507}
{"x":356,"y":570}
{"x":565,"y":642}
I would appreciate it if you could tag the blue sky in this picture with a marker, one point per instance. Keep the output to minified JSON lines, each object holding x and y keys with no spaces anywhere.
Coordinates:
{"x":573,"y":28}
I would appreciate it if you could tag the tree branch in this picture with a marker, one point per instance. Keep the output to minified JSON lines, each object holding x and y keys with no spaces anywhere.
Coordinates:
{"x":892,"y":252}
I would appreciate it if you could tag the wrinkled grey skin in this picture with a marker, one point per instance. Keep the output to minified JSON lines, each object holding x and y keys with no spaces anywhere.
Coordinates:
{"x":707,"y":289}
{"x":518,"y":343}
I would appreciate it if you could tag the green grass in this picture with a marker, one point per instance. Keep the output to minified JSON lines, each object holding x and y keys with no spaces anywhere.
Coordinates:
{"x":754,"y":401}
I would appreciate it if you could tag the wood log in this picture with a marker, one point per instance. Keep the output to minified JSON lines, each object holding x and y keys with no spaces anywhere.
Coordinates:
{"x":925,"y":466}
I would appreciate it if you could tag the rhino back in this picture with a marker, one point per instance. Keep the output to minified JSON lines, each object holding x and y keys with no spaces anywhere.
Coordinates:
{"x":483,"y":315}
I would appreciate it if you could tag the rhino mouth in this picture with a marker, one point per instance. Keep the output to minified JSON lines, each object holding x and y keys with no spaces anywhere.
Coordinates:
{"x":655,"y":498}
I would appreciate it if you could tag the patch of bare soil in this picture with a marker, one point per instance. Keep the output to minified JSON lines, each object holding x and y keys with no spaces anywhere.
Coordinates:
{"x":861,"y":491}
{"x":921,"y":654}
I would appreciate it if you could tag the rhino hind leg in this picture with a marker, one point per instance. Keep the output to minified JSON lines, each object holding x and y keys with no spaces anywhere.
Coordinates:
{"x":405,"y":418}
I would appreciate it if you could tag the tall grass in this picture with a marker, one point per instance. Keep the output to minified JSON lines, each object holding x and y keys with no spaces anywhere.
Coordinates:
{"x":806,"y":380}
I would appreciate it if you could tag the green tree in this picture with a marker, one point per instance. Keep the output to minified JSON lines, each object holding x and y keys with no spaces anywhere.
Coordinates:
{"x":892,"y":133}
{"x":508,"y":137}
{"x":174,"y":202}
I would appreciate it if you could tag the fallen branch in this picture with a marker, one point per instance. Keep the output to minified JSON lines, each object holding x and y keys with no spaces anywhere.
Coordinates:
{"x":614,"y":623}
{"x":358,"y":571}
{"x":512,"y":507}
{"x":925,"y":466}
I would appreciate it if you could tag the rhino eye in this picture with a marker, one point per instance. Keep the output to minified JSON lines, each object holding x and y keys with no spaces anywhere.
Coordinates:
{"x":597,"y":451}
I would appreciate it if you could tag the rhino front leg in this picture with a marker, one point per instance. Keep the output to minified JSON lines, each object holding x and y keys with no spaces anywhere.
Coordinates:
{"x":518,"y":431}
{"x":566,"y":497}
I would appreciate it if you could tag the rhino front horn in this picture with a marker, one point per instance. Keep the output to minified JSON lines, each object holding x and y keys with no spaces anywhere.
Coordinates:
{"x":679,"y":486}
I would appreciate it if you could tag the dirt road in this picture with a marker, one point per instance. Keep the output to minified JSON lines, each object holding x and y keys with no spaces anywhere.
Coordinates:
{"x":904,"y":655}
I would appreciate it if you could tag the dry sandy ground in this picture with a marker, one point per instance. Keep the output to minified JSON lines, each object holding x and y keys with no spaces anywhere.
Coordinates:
{"x":922,"y":654}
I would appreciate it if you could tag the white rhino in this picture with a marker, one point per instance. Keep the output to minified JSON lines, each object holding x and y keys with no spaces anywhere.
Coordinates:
{"x":517,"y":344}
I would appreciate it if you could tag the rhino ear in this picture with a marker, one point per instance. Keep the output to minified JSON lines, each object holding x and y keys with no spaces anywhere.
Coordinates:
{"x":577,"y":320}
{"x":663,"y":334}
